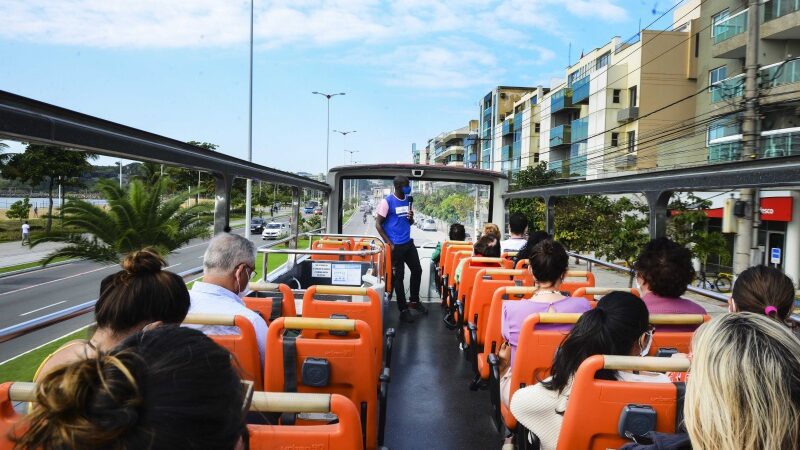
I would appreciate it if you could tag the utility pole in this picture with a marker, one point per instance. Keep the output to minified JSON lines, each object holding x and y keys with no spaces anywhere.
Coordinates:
{"x":249,"y":186}
{"x":750,"y":141}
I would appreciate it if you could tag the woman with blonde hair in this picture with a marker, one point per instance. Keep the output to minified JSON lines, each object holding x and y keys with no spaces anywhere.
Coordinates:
{"x":745,"y":386}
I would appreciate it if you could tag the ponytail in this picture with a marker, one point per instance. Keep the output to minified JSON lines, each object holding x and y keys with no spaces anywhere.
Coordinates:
{"x":611,"y":328}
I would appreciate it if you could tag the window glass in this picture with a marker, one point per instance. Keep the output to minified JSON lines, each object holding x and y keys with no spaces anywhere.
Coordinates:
{"x":717,"y":74}
{"x":717,"y":18}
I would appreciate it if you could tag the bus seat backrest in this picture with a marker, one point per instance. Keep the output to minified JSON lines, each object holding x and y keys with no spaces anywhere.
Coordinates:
{"x":679,"y":340}
{"x":10,"y":421}
{"x":577,"y":279}
{"x":344,"y":434}
{"x":352,"y":372}
{"x":263,"y":303}
{"x":468,"y":274}
{"x":487,"y":281}
{"x":589,"y":293}
{"x":243,"y":346}
{"x":328,"y":244}
{"x":453,"y":263}
{"x":493,"y":336}
{"x":594,"y":407}
{"x":369,"y":311}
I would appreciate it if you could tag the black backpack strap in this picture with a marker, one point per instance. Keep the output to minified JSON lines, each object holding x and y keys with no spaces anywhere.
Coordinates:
{"x":277,"y":308}
{"x":680,"y":396}
{"x":289,"y":371}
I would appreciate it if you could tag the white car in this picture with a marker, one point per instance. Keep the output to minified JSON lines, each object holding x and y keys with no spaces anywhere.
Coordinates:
{"x":429,"y":225}
{"x":275,"y":230}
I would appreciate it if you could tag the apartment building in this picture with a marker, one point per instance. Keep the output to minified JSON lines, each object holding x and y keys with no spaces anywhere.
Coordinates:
{"x":496,"y":134}
{"x":520,"y":132}
{"x":599,"y":120}
{"x":449,"y":147}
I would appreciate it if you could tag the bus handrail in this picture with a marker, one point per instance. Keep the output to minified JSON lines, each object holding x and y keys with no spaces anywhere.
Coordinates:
{"x":375,"y":249}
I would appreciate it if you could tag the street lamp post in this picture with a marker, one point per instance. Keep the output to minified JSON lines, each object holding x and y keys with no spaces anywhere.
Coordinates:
{"x":249,"y":187}
{"x":328,"y":133}
{"x":119,"y":163}
{"x":344,"y":134}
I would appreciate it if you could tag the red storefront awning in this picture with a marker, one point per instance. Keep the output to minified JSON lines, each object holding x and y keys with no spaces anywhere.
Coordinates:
{"x":776,"y":209}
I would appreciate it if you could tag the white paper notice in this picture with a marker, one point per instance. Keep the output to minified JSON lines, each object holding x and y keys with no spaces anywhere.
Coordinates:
{"x":320,"y":270}
{"x":346,"y":274}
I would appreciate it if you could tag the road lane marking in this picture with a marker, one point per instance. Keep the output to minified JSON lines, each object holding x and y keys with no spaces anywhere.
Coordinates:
{"x":174,"y":265}
{"x":43,"y":307}
{"x":45,"y":344}
{"x":59,"y":279}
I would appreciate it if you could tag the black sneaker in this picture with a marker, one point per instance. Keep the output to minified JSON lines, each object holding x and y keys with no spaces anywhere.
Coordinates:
{"x":419,"y":307}
{"x":405,"y":316}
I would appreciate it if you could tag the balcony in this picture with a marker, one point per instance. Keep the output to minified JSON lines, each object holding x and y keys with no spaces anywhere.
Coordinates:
{"x":560,"y":135}
{"x":727,"y":89}
{"x":780,"y":74}
{"x":561,"y":167}
{"x":580,"y":129}
{"x":488,"y":111}
{"x":781,"y":19}
{"x":628,"y":114}
{"x":729,"y":37}
{"x":561,"y":100}
{"x":508,"y":127}
{"x":580,"y":90}
{"x":624,"y":162}
{"x":457,"y":150}
{"x":516,"y":150}
{"x":775,"y":143}
{"x":577,"y":166}
{"x":724,"y":152}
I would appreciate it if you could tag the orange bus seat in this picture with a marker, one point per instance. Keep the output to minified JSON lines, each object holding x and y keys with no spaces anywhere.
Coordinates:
{"x":487,"y":308}
{"x":243,"y":346}
{"x":586,"y":280}
{"x":330,"y":244}
{"x":344,"y":434}
{"x":509,"y":256}
{"x":593,"y":410}
{"x":522,"y":264}
{"x":271,"y":300}
{"x":444,"y":265}
{"x":589,"y":292}
{"x":471,"y":268}
{"x":350,"y":361}
{"x":370,"y":312}
{"x":11,"y":423}
{"x":668,"y":339}
{"x":452,"y":265}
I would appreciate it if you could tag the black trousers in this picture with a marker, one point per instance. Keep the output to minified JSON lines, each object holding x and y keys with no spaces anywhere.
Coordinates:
{"x":406,"y":255}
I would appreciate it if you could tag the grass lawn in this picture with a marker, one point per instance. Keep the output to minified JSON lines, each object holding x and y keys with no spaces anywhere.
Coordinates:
{"x":28,"y":265}
{"x":23,"y":368}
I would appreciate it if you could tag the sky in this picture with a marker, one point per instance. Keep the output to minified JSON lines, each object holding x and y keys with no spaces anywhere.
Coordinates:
{"x":410,"y":69}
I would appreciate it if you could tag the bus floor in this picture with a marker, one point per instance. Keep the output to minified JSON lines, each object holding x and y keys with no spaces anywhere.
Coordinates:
{"x":430,"y":404}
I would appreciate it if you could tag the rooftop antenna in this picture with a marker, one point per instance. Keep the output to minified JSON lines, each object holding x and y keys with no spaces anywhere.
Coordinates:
{"x":569,"y":55}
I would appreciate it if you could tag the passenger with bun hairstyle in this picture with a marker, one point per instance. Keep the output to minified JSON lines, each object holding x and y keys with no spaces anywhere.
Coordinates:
{"x":140,"y":296}
{"x":763,"y":290}
{"x":166,"y":388}
{"x":745,"y":386}
{"x":663,"y":271}
{"x":618,"y":325}
{"x":548,"y":263}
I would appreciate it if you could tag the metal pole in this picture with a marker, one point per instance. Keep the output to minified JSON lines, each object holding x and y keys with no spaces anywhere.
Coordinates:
{"x":249,"y":189}
{"x":750,"y":135}
{"x":328,"y":137}
{"x":120,"y":174}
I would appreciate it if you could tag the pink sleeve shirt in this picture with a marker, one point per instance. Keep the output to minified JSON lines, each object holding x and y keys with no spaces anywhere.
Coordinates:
{"x":383,"y":208}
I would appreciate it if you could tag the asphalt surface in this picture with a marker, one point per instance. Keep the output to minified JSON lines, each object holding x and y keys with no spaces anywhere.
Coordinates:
{"x":29,"y":295}
{"x":356,"y":225}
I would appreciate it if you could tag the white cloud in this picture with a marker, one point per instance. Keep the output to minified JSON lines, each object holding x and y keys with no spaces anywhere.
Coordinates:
{"x":606,"y":10}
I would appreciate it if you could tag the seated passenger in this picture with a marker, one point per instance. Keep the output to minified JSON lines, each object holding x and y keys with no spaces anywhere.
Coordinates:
{"x":663,"y":270}
{"x":140,"y":296}
{"x":457,"y":233}
{"x":548,"y":263}
{"x":533,"y":239}
{"x":166,"y":388}
{"x":745,"y":386}
{"x":763,"y":290}
{"x":517,"y":224}
{"x":228,"y":266}
{"x":490,"y":228}
{"x":619,"y":325}
{"x":488,"y":246}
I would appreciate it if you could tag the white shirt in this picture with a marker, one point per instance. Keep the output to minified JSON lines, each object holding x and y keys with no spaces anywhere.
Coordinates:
{"x":209,"y":298}
{"x":512,"y":244}
{"x":26,"y":229}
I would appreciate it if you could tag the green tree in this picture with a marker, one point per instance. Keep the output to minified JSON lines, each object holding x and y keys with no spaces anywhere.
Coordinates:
{"x":532,"y":208}
{"x":20,"y":209}
{"x":49,"y":164}
{"x":3,"y":156}
{"x":138,"y":217}
{"x":688,"y":226}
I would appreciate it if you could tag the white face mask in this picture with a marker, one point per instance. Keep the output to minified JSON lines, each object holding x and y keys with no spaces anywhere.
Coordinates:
{"x":646,"y":349}
{"x":243,"y":291}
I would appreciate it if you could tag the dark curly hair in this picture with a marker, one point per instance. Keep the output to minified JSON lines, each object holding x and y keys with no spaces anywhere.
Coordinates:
{"x":666,"y":267}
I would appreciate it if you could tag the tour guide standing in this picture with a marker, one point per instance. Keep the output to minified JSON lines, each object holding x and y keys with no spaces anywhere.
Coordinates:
{"x":394,"y":219}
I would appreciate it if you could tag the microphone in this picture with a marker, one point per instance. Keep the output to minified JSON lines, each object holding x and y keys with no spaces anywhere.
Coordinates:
{"x":410,"y":202}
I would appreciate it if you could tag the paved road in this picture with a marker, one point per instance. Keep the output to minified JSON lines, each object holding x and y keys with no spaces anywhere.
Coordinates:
{"x":30,"y":295}
{"x":357,"y":226}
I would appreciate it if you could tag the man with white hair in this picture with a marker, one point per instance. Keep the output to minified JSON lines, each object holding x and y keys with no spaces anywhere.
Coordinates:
{"x":228,"y":265}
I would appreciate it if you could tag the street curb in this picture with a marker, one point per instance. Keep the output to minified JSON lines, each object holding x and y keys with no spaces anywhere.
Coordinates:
{"x":35,"y":268}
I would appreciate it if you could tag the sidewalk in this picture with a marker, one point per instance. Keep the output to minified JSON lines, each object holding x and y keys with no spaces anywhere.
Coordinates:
{"x":13,"y":253}
{"x":611,"y":278}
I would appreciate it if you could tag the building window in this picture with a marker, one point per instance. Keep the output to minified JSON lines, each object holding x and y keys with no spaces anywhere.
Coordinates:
{"x":615,"y":95}
{"x":717,"y":18}
{"x":602,"y":60}
{"x":536,"y":127}
{"x":536,"y":157}
{"x":717,"y":75}
{"x":697,"y":45}
{"x":632,"y":96}
{"x":631,"y":141}
{"x":614,"y":139}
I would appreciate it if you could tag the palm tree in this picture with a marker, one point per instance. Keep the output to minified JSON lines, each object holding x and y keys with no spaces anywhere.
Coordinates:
{"x":138,"y":217}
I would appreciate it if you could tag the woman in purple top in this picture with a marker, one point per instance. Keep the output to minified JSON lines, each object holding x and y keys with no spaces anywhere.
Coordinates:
{"x":663,"y":270}
{"x":548,"y":263}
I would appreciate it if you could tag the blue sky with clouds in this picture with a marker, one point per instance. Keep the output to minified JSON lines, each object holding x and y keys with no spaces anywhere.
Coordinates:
{"x":411,"y":68}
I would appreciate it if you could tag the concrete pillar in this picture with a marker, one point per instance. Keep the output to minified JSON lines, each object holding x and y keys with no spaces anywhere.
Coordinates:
{"x":549,"y":215}
{"x":657,"y":202}
{"x":222,"y":202}
{"x":791,"y":260}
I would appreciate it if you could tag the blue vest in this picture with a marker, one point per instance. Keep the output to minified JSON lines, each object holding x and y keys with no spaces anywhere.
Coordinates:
{"x":396,"y":224}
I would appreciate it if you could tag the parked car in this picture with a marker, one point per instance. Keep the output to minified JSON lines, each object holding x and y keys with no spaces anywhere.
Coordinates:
{"x":257,"y":225}
{"x":275,"y":230}
{"x":318,"y":210}
{"x":429,"y":225}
